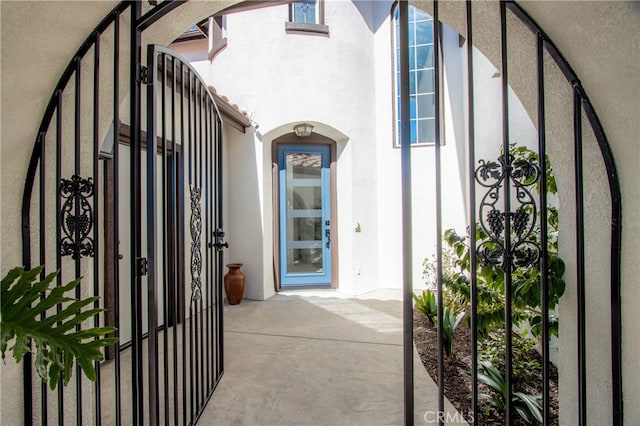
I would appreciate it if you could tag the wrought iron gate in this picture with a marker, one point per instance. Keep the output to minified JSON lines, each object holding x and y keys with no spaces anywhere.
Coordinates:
{"x":182,"y":118}
{"x":512,"y":219}
{"x":127,"y":200}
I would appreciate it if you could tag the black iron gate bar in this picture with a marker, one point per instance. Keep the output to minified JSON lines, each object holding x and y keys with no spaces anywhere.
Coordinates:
{"x":544,"y":259}
{"x":82,"y":219}
{"x":407,"y":232}
{"x":508,"y":361}
{"x":437,"y":84}
{"x":472,"y":210}
{"x":116,"y":208}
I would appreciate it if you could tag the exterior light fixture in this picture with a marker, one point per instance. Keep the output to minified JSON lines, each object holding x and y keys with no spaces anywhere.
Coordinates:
{"x":303,"y":130}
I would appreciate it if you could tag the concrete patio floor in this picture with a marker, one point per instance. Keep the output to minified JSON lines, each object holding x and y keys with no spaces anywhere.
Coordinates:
{"x":317,"y":358}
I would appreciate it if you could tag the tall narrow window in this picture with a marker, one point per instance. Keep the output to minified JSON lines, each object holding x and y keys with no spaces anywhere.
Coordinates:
{"x":421,"y":79}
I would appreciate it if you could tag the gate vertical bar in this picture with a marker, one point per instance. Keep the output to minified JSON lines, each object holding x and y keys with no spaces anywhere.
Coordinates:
{"x":96,"y":213}
{"x":116,"y":216}
{"x":42,"y":201}
{"x":174,"y":218}
{"x":27,"y":363}
{"x":220,"y":257}
{"x":437,"y":44}
{"x":508,"y":362}
{"x":208,"y":232}
{"x":152,"y":249}
{"x":199,"y":172}
{"x":166,"y":261}
{"x":215,"y":344}
{"x":472,"y":213}
{"x":203,"y":185}
{"x":580,"y":273}
{"x":135,"y":219}
{"x":58,"y":238}
{"x":544,"y":259}
{"x":192,"y":183}
{"x":182,"y":302}
{"x":77,"y":172}
{"x":407,"y":252}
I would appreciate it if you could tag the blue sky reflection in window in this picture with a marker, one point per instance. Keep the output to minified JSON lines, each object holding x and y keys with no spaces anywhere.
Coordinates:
{"x":305,"y":12}
{"x":421,"y":90}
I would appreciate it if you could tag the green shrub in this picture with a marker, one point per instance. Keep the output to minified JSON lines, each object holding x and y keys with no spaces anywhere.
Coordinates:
{"x":426,"y":304}
{"x":54,"y":341}
{"x":451,"y":318}
{"x":526,"y":286}
{"x":450,"y":321}
{"x":527,"y":406}
{"x":492,"y":350}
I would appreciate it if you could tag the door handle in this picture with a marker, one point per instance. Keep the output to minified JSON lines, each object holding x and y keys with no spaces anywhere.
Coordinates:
{"x":218,"y":235}
{"x":327,"y":233}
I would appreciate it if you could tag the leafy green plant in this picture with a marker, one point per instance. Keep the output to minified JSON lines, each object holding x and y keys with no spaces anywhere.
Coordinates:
{"x":450,"y":321}
{"x":451,"y":317}
{"x":527,"y":406}
{"x":54,"y":340}
{"x":525,"y":363}
{"x":426,"y":304}
{"x":526,"y":286}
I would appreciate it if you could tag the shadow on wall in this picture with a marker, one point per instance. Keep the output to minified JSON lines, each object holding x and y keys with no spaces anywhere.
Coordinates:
{"x":243,"y":197}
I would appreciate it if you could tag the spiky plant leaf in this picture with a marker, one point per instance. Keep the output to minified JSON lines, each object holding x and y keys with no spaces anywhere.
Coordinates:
{"x":527,"y":406}
{"x":54,"y":341}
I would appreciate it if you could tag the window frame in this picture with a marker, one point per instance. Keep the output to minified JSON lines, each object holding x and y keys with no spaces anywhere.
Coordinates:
{"x":217,"y":31}
{"x":319,"y":27}
{"x":413,"y":94}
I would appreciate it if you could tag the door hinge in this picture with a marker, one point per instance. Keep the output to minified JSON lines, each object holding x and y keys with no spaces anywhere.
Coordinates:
{"x":143,"y":74}
{"x":142,"y":266}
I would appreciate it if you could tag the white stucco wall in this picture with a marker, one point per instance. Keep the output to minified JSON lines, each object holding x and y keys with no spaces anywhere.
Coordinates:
{"x":358,"y":103}
{"x":282,"y":79}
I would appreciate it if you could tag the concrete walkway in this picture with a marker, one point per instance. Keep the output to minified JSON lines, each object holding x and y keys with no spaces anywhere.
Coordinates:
{"x":317,"y":358}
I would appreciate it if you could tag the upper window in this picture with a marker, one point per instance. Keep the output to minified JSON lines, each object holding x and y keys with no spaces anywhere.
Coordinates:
{"x":307,"y":16}
{"x":305,"y":12}
{"x":421,"y":78}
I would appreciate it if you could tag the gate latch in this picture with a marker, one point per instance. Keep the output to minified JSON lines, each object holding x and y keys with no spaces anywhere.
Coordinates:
{"x":218,"y":235}
{"x":143,"y":74}
{"x":142,"y":266}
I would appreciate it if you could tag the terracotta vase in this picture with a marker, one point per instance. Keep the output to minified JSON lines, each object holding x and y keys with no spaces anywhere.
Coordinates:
{"x":234,"y":283}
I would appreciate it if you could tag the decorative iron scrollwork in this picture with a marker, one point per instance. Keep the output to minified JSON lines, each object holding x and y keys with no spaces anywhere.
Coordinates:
{"x":196,"y":255}
{"x":524,"y":249}
{"x":76,"y":217}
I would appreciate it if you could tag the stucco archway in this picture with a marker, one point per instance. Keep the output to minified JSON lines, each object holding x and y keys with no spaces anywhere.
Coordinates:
{"x":8,"y":171}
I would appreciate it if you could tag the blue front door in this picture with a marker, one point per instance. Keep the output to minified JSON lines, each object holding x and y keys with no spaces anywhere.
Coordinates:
{"x":305,"y":215}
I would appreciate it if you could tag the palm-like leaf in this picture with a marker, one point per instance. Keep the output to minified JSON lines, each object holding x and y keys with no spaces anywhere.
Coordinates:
{"x":450,"y":321}
{"x":527,"y":406}
{"x":426,"y":304}
{"x":54,"y":341}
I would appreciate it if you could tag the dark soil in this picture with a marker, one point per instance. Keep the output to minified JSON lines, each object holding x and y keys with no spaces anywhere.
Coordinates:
{"x":457,"y":373}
